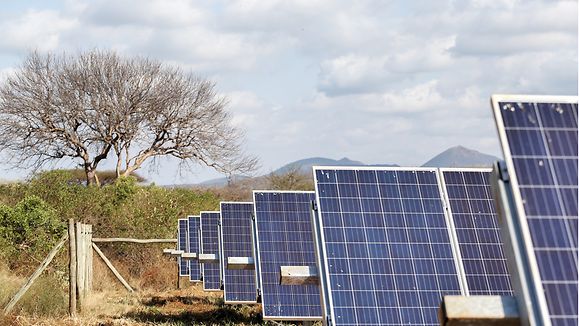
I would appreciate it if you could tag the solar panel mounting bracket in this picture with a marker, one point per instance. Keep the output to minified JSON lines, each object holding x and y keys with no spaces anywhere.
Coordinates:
{"x":189,"y":256}
{"x":524,"y":289}
{"x":299,"y":275}
{"x":479,"y":310}
{"x":502,"y":171}
{"x":240,"y":263}
{"x":208,"y":258}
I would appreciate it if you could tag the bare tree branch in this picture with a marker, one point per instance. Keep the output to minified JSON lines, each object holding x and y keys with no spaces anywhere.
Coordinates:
{"x":86,"y":106}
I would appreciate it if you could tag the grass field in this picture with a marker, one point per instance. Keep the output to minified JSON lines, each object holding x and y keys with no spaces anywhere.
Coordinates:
{"x":156,"y":302}
{"x":190,"y":306}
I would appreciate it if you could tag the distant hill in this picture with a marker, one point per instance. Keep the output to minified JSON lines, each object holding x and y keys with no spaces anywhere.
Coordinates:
{"x":305,"y":165}
{"x":457,"y":156}
{"x":460,"y":156}
{"x":219,"y":182}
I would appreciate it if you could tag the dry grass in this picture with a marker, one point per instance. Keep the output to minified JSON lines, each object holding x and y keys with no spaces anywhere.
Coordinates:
{"x":45,"y":298}
{"x":156,"y":301}
{"x":190,"y":306}
{"x":111,"y":305}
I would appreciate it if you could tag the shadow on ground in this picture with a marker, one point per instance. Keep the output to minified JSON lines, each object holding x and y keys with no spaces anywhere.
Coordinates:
{"x":188,"y":310}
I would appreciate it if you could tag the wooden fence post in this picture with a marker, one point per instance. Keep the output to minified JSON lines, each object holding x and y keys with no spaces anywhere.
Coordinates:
{"x":89,"y":256}
{"x":80,"y":258}
{"x":72,"y":268}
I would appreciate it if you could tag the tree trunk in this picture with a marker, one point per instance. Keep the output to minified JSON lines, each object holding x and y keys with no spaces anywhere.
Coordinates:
{"x":91,"y":177}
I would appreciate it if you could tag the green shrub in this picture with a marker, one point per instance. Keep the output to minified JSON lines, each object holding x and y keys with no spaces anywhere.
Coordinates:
{"x":35,"y":214}
{"x":28,"y":230}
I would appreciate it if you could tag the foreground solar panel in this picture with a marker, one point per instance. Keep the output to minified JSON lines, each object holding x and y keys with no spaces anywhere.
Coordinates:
{"x":538,"y":135}
{"x":193,"y":246}
{"x":386,"y":245}
{"x":470,"y":202}
{"x":239,"y":286}
{"x":285,"y":238}
{"x":182,"y":245}
{"x":210,"y":245}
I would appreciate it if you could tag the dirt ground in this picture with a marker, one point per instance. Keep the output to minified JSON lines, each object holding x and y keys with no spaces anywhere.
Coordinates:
{"x":190,"y":306}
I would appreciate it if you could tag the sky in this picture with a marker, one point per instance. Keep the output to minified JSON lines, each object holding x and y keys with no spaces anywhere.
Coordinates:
{"x":385,"y":81}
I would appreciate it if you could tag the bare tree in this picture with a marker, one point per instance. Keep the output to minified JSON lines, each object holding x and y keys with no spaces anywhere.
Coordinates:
{"x":97,"y":104}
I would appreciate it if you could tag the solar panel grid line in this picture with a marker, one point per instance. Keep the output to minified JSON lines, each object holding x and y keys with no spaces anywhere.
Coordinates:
{"x":405,"y":291}
{"x":209,"y":231}
{"x":539,"y":137}
{"x":239,"y":286}
{"x":182,"y":245}
{"x":453,"y":227}
{"x":302,"y":302}
{"x":412,"y":259}
{"x":505,"y":277}
{"x":488,"y":256}
{"x":193,"y":247}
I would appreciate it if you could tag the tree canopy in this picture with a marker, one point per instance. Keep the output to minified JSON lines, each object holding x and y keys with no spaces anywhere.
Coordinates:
{"x":96,"y":105}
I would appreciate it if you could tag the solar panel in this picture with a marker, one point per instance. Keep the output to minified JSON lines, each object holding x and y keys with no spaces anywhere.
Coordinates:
{"x":538,"y":135}
{"x":285,"y":238}
{"x":470,"y":202}
{"x":239,"y":286}
{"x":386,"y":245}
{"x":210,"y":245}
{"x":193,"y":246}
{"x":182,"y":245}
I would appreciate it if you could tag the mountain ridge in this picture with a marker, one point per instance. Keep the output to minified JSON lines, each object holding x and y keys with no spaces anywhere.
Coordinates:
{"x":457,"y":156}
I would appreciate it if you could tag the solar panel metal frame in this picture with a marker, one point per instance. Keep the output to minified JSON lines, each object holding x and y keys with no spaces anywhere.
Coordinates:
{"x":191,"y":262}
{"x":260,"y":275}
{"x":527,"y":283}
{"x":181,"y":262}
{"x":326,"y":293}
{"x":223,"y":260}
{"x":449,"y":208}
{"x":217,"y":253}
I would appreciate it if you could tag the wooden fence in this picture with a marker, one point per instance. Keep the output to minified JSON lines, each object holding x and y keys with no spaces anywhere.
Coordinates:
{"x":80,"y":249}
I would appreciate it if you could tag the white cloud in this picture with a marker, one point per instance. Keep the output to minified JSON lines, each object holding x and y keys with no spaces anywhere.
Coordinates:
{"x":377,"y":81}
{"x":40,"y":30}
{"x":174,"y":13}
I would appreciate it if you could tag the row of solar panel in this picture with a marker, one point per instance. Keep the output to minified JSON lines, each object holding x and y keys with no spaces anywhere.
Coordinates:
{"x":389,"y":243}
{"x":381,"y":227}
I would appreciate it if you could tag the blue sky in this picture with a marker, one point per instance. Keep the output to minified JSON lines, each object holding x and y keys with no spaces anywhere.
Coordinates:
{"x":388,"y":81}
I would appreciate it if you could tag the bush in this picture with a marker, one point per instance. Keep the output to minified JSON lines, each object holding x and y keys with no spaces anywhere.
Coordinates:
{"x":28,"y":230}
{"x":34,"y":215}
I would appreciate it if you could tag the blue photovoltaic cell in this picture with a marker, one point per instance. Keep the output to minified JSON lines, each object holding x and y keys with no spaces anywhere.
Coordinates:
{"x":285,"y":238}
{"x":193,"y":246}
{"x":476,"y":224}
{"x":210,"y":245}
{"x":539,"y":141}
{"x":236,"y":239}
{"x":182,"y":245}
{"x":386,"y":244}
